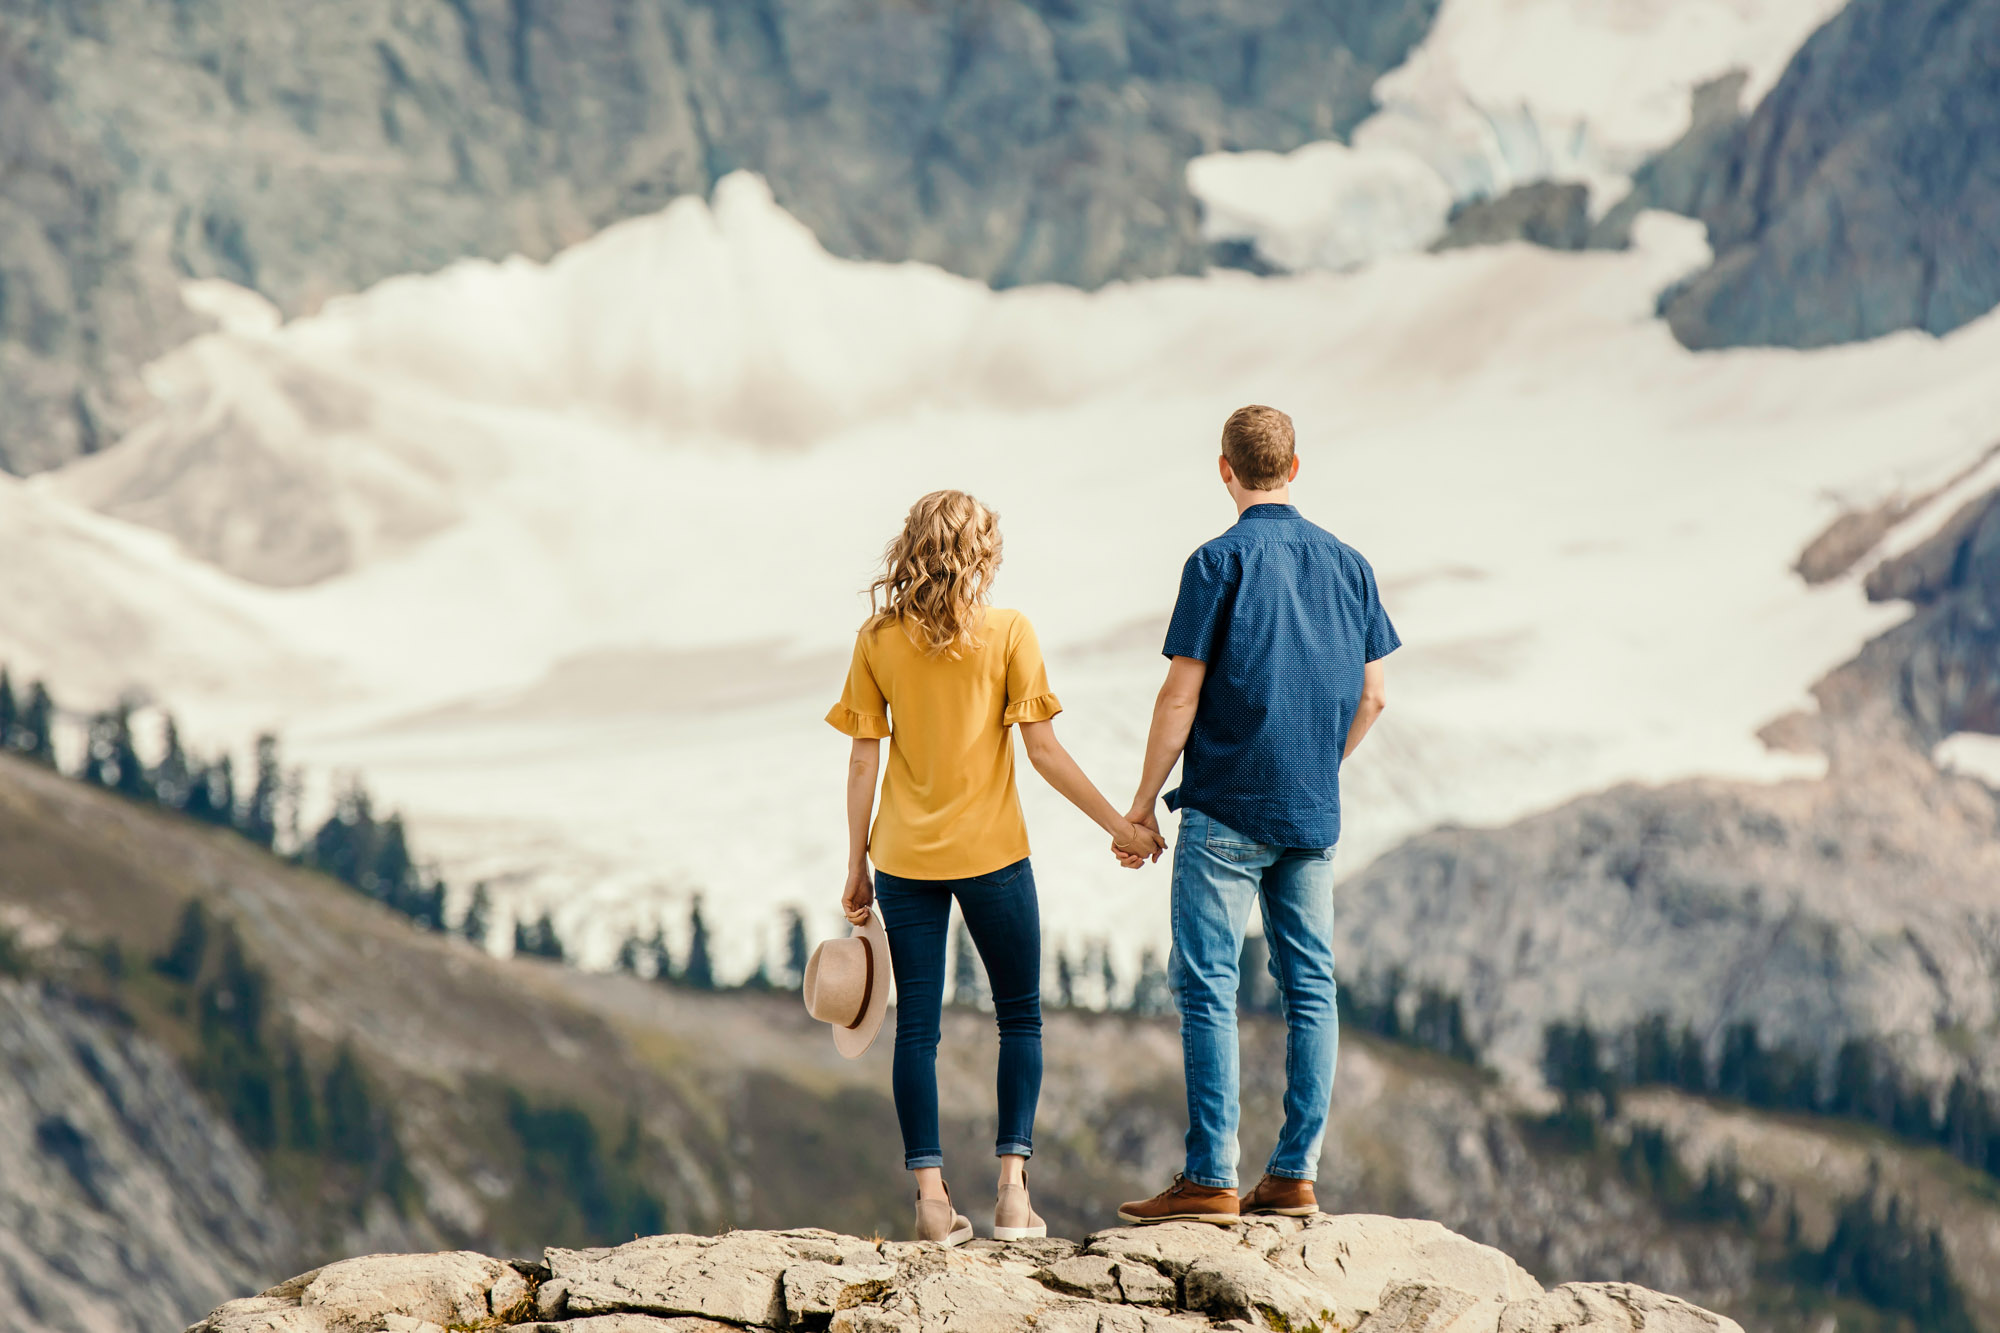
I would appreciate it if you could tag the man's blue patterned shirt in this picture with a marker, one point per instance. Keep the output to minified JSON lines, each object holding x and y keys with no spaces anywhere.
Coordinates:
{"x":1285,"y":614}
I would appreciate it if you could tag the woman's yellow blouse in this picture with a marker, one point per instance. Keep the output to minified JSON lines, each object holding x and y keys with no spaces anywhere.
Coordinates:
{"x":949,"y":808}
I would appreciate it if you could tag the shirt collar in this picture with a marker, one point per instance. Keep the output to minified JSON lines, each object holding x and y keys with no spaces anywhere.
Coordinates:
{"x":1278,"y":511}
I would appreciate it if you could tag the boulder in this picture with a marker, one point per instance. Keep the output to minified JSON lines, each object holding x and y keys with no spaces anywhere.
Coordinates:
{"x":738,"y":1277}
{"x":443,"y":1289}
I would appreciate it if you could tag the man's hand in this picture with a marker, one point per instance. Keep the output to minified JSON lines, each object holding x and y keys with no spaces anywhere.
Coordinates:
{"x":859,"y":895}
{"x":1135,"y":844}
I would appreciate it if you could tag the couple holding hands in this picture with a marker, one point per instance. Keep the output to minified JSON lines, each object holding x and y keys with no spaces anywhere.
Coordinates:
{"x":1275,"y":675}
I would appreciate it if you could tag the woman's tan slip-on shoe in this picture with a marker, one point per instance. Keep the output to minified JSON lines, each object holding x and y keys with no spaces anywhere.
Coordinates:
{"x":940,"y":1222}
{"x":1014,"y":1218}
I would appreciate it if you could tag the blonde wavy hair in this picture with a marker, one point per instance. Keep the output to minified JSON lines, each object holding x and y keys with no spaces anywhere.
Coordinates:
{"x":937,"y":572}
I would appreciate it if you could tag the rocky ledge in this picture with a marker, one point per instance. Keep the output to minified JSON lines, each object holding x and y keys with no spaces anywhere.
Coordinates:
{"x":1356,"y":1274}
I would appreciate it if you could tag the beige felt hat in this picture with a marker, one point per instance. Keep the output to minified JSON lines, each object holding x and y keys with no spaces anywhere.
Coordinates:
{"x":847,"y":986}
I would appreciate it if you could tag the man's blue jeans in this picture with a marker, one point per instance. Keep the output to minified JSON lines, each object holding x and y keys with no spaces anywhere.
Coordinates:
{"x":1219,"y":874}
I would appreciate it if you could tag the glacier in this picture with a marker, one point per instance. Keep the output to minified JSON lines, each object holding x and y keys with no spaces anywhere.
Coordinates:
{"x":601,"y":527}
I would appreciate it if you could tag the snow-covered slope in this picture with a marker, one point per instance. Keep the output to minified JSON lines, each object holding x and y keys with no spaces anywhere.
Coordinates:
{"x":1500,"y":93}
{"x":655,"y":473}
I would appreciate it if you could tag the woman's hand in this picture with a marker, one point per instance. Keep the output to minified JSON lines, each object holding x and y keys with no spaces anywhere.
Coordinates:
{"x":859,"y":895}
{"x":1136,"y":844}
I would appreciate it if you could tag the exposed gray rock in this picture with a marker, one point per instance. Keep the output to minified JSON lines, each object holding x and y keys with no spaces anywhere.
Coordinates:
{"x":1858,"y":905}
{"x":442,"y":1288}
{"x":125,"y":1202}
{"x":1863,"y":194}
{"x":308,"y":150}
{"x":1384,"y":1274}
{"x":1685,"y":176}
{"x":1609,"y":1307}
{"x":1552,"y":214}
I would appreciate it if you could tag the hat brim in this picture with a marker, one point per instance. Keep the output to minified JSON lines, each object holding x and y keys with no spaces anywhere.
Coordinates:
{"x":854,"y":1042}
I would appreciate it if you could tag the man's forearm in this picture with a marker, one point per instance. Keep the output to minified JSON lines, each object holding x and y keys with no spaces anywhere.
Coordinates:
{"x":1364,"y":718}
{"x":1172,"y":720}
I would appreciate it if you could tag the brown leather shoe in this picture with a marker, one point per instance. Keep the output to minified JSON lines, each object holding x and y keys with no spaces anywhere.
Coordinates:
{"x":1184,"y":1201}
{"x":1282,"y":1196}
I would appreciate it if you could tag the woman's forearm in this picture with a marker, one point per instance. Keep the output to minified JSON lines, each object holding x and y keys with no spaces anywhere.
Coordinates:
{"x":1063,"y":773}
{"x":862,"y":766}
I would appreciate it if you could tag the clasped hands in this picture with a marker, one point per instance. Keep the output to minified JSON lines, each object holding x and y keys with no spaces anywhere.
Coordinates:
{"x":1140,"y":840}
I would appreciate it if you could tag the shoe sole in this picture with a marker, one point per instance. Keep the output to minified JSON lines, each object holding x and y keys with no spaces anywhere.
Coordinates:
{"x":1020,"y":1233}
{"x":1214,"y":1219}
{"x":958,"y":1237}
{"x":1282,"y":1212}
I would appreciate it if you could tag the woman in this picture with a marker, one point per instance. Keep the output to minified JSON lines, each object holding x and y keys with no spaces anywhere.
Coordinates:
{"x":943,"y":675}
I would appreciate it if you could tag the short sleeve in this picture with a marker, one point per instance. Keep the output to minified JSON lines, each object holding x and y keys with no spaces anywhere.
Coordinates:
{"x":862,"y":712}
{"x":1198,"y":611}
{"x":1381,"y":636}
{"x":1028,"y":696}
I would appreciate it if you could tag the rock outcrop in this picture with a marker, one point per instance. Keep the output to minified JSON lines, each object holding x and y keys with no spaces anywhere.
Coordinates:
{"x":1361,"y":1273}
{"x":309,"y":150}
{"x":1863,"y":194}
{"x":125,"y":1200}
{"x":1555,"y":215}
{"x":1859,"y":905}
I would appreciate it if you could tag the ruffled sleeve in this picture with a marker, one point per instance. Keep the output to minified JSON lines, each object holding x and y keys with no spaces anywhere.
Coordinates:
{"x":1038,"y":708}
{"x":1028,"y":696}
{"x":861,"y":726}
{"x":863,"y":710}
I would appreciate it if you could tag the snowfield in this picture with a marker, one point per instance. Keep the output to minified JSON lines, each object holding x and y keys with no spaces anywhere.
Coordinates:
{"x":565,"y":559}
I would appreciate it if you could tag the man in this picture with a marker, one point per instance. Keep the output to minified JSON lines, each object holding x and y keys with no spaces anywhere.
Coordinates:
{"x":1276,"y":675}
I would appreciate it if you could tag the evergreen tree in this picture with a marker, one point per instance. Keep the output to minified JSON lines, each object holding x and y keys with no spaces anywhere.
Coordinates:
{"x":1653,"y":1052}
{"x":235,"y":1062}
{"x":1691,"y":1065}
{"x":10,"y":711}
{"x":477,"y":923}
{"x":1888,"y":1259}
{"x":184,"y":957}
{"x":538,"y":940}
{"x":630,"y":951}
{"x":798,"y":949}
{"x":1065,"y":980}
{"x":301,"y":1106}
{"x":1108,"y":975}
{"x":345,"y":845}
{"x":968,"y":974}
{"x":1151,"y":994}
{"x":391,"y":875}
{"x":700,"y":970}
{"x":260,"y":815}
{"x":1742,"y":1071}
{"x":662,"y":958}
{"x":352,"y":1131}
{"x":35,"y":734}
{"x":1440,"y":1026}
{"x":110,"y":759}
{"x":173,"y":778}
{"x":1573,"y":1065}
{"x":1968,"y":1124}
{"x":212,"y":796}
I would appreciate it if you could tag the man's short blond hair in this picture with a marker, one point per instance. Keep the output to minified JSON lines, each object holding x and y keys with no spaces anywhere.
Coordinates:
{"x":1259,"y":445}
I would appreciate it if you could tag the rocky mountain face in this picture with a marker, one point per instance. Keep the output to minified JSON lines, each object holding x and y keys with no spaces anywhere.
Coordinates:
{"x":127,"y":1199}
{"x":305,"y":151}
{"x":1378,"y":1274}
{"x":1863,"y":194}
{"x":1859,"y":905}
